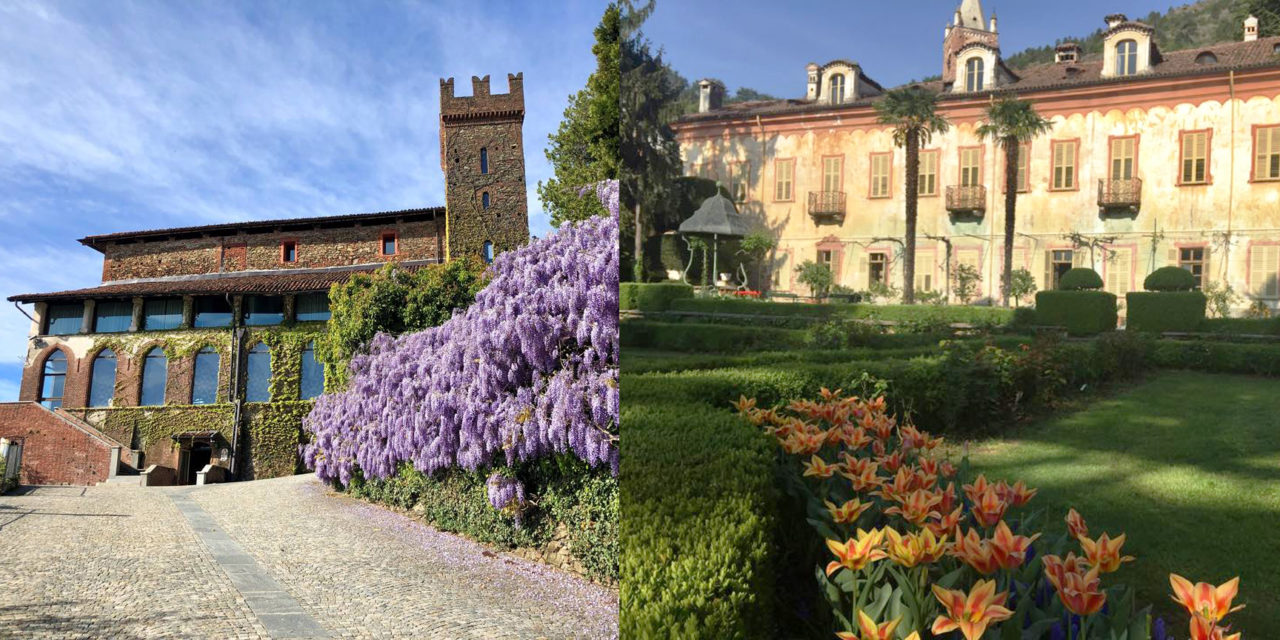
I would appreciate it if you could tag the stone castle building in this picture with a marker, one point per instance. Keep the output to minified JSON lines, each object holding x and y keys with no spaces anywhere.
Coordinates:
{"x":1155,"y":158}
{"x":196,"y":354}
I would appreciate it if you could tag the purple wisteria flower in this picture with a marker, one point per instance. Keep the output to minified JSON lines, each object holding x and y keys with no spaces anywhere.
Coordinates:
{"x":528,"y":371}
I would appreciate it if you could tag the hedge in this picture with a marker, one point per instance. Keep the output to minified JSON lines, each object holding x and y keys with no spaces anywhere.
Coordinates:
{"x":1081,"y":312}
{"x":1080,"y":279}
{"x":991,"y":316}
{"x":1242,"y":326}
{"x":1169,"y":279}
{"x":1160,"y":311}
{"x":1218,"y":357}
{"x":651,"y":296}
{"x":711,"y":338}
{"x":700,"y":509}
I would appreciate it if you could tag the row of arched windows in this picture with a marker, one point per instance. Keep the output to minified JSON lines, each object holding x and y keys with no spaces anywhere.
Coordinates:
{"x":155,"y":377}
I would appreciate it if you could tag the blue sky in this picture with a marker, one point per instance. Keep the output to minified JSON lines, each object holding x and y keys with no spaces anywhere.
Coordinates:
{"x":137,"y":115}
{"x":765,"y":45}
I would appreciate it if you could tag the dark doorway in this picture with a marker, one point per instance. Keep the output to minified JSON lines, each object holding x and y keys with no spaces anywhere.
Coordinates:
{"x":201,"y":453}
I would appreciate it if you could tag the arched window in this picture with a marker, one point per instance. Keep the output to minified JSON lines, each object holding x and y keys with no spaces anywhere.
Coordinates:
{"x":102,"y":382}
{"x":973,"y":70}
{"x":312,"y":373}
{"x":204,"y":383}
{"x":488,"y":252}
{"x":836,"y":88}
{"x":484,"y":200}
{"x":155,"y":375}
{"x":257,"y":388}
{"x":484,"y":160}
{"x":1206,"y":57}
{"x":54,"y":380}
{"x":1126,"y":58}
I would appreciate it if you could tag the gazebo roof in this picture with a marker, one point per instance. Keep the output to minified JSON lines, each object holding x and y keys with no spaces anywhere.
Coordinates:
{"x":716,"y":216}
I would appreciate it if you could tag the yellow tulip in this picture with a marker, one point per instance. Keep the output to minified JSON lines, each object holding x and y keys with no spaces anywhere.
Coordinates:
{"x":856,"y":552}
{"x":819,"y":468}
{"x":1104,"y":554}
{"x":848,"y":512}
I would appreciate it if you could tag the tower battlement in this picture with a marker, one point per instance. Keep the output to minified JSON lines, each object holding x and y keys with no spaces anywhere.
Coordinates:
{"x":482,"y":102}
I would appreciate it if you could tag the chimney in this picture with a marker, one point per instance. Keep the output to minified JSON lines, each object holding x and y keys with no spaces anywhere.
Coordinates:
{"x":1067,"y":52}
{"x":956,"y":20}
{"x":993,"y":22}
{"x":1116,"y":19}
{"x":710,"y":95}
{"x":812,"y":92}
{"x":1250,"y":28}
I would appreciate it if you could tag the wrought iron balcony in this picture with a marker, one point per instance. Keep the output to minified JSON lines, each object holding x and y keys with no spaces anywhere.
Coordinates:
{"x":827,"y":206}
{"x":971,"y":199}
{"x":1120,"y":193}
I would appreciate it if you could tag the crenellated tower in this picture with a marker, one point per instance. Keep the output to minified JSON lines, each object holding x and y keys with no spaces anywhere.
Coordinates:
{"x":482,"y":157}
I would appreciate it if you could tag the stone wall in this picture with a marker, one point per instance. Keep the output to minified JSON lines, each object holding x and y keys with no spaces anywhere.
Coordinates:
{"x":55,"y":449}
{"x":316,"y":248}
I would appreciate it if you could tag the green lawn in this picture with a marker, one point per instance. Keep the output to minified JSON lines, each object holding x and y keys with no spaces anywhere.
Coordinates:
{"x":1188,"y":465}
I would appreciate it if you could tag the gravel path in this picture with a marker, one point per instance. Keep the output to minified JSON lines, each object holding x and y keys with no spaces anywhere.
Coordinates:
{"x":127,"y":562}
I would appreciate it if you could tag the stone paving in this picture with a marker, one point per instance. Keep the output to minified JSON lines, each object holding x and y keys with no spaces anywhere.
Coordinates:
{"x":272,"y":558}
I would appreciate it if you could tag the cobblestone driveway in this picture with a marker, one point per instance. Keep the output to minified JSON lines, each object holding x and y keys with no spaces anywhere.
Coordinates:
{"x":272,"y":558}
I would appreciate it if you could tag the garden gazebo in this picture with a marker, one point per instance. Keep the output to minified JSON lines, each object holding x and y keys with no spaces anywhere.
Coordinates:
{"x":716,"y":218}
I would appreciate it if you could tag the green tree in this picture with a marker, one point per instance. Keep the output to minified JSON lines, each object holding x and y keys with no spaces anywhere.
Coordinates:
{"x":650,"y":155}
{"x":816,"y":276}
{"x":585,"y":149}
{"x":966,"y":278}
{"x":1011,"y":121}
{"x":912,"y":111}
{"x":392,"y":300}
{"x":1021,"y":285}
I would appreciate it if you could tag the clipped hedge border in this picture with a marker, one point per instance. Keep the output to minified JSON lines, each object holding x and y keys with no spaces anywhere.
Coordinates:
{"x":1160,"y":311}
{"x":714,"y":338}
{"x":992,"y":316}
{"x":1082,"y":312}
{"x":651,"y":296}
{"x":1242,"y":326}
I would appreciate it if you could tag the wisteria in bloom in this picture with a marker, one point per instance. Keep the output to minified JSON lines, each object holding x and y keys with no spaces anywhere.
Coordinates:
{"x":529,"y":370}
{"x":506,"y":492}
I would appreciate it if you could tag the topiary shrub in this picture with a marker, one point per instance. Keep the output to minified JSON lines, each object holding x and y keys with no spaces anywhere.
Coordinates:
{"x":1160,"y":311}
{"x":1080,"y":279}
{"x":651,"y":296}
{"x":1169,"y":279}
{"x":1083,"y":313}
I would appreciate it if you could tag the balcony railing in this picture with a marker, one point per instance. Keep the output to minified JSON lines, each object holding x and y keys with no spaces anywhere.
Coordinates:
{"x":827,"y":206}
{"x":1120,"y":193}
{"x":971,"y":199}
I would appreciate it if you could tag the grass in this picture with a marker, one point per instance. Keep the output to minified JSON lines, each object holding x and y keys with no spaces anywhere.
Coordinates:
{"x":1188,"y":465}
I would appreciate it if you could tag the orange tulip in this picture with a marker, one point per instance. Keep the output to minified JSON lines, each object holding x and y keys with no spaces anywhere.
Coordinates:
{"x":944,"y":525}
{"x":971,"y":613}
{"x":1010,"y":551}
{"x":976,"y":552}
{"x":1018,"y":495}
{"x":869,"y":630}
{"x":948,"y":498}
{"x":1202,"y":629}
{"x":989,"y":509}
{"x":830,"y":395}
{"x":917,"y":507}
{"x":1056,"y":568}
{"x":1104,"y":554}
{"x":946,"y":469}
{"x":897,"y":489}
{"x":974,"y":491}
{"x":856,"y":552}
{"x":819,"y":468}
{"x":744,"y":404}
{"x":892,"y":462}
{"x":854,"y":438}
{"x":848,"y":512}
{"x":1205,"y":600}
{"x":1080,"y":591}
{"x":1076,"y":525}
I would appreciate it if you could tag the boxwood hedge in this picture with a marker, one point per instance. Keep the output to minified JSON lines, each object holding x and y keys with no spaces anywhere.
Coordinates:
{"x":651,"y":296}
{"x":1159,"y":311}
{"x":1082,"y":312}
{"x":989,"y":316}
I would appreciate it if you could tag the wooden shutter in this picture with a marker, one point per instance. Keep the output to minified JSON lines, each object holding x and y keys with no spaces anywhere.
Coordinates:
{"x":1204,"y":270}
{"x":1048,"y":271}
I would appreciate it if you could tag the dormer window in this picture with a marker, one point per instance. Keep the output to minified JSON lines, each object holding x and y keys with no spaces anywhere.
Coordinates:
{"x":973,"y":70}
{"x":1206,"y":57}
{"x":836,"y":86}
{"x":1126,"y":58}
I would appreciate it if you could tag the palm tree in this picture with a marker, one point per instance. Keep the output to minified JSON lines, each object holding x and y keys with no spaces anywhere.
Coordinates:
{"x":913,"y":112}
{"x":1011,"y":122}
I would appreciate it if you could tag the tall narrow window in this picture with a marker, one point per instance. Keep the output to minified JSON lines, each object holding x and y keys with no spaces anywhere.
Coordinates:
{"x":257,"y":386}
{"x":389,"y":244}
{"x":312,"y":373}
{"x":1266,"y":152}
{"x":1264,"y":270}
{"x":159,"y":314}
{"x":878,"y":268}
{"x":212,"y":312}
{"x":1064,"y":164}
{"x":1120,"y":271}
{"x":783,"y":178}
{"x":312,"y":307}
{"x":973,"y":72}
{"x":488,"y":252}
{"x":928,"y":182}
{"x":64,"y":318}
{"x":155,"y":376}
{"x":263,"y":310}
{"x":484,"y":200}
{"x":831,"y":170}
{"x":836,"y":89}
{"x":102,"y":380}
{"x":204,"y":385}
{"x":484,"y":160}
{"x":112,"y":316}
{"x":1057,"y":263}
{"x":53,"y":380}
{"x":1124,"y":158}
{"x":826,"y":257}
{"x":1195,"y":157}
{"x":970,"y":166}
{"x":288,"y":251}
{"x":924,"y":272}
{"x":880,"y":174}
{"x":739,"y":173}
{"x":1192,"y":259}
{"x":1126,"y":58}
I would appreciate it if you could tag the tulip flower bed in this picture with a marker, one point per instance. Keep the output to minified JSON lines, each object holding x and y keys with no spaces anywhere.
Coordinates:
{"x":908,"y":558}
